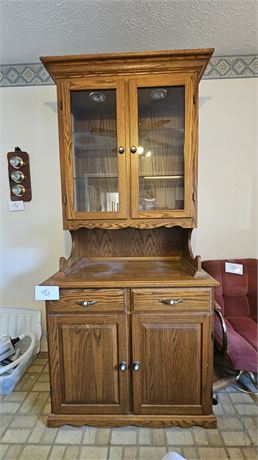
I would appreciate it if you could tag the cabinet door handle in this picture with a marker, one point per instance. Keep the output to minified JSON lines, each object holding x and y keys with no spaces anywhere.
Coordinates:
{"x":122,"y":366}
{"x":133,"y":149}
{"x":121,"y":149}
{"x":86,"y":303}
{"x":171,"y":301}
{"x":136,"y":366}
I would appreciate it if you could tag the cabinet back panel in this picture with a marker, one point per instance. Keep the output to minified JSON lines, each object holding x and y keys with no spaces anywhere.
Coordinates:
{"x":129,"y":242}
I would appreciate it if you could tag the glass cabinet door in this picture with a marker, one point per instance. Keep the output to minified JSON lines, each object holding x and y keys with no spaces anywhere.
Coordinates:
{"x":98,"y":151}
{"x":160,"y":138}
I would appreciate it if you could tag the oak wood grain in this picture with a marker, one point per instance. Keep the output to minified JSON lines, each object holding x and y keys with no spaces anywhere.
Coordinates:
{"x":190,"y":299}
{"x":106,"y":301}
{"x":128,"y":242}
{"x":132,"y":242}
{"x":82,"y":221}
{"x":130,"y":260}
{"x":125,"y":73}
{"x":186,"y":81}
{"x":129,"y":272}
{"x":160,"y":343}
{"x":85,"y":375}
{"x":152,"y":421}
{"x":128,"y":63}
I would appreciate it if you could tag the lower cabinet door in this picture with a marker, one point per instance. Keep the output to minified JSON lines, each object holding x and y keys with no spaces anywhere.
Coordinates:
{"x":172,"y":364}
{"x":86,"y":353}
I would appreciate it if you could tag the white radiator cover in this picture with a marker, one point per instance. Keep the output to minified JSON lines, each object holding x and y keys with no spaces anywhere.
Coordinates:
{"x":17,"y":320}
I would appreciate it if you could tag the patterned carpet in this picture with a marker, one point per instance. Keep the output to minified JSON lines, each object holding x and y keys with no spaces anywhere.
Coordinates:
{"x":25,"y":436}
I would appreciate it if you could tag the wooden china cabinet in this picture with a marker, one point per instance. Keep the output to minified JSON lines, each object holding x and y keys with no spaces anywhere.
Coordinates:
{"x":130,"y":339}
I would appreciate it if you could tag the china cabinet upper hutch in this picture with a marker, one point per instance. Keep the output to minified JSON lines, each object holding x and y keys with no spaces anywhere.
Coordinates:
{"x":130,"y":339}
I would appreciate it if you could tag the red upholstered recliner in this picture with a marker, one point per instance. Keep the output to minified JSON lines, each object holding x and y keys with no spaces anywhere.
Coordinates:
{"x":235,"y":322}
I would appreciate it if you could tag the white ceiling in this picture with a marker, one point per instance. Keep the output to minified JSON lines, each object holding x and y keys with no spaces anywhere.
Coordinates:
{"x":33,"y":28}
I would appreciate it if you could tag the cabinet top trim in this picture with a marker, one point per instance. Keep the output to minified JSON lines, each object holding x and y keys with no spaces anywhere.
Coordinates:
{"x":126,"y":63}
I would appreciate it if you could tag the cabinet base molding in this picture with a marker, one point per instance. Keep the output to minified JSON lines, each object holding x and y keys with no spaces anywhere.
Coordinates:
{"x":153,"y":421}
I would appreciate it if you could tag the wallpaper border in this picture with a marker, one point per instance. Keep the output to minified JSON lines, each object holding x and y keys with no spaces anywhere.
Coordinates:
{"x":219,"y":68}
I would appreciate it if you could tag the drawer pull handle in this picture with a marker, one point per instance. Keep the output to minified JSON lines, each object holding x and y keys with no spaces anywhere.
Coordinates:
{"x":86,"y":303}
{"x":171,"y":301}
{"x":136,"y":366}
{"x":122,"y":366}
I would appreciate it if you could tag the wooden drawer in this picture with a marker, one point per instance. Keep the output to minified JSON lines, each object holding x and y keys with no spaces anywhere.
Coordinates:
{"x":176,"y":299}
{"x":95,"y":300}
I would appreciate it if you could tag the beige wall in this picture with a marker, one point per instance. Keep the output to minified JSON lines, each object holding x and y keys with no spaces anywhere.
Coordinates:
{"x":227,"y":225}
{"x":32,"y":241}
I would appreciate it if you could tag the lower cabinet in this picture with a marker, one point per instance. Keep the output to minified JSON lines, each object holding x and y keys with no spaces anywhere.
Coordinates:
{"x":130,"y":362}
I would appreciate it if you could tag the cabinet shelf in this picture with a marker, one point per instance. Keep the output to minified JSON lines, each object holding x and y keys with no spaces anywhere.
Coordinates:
{"x":129,"y":272}
{"x":162,"y":177}
{"x":142,"y":176}
{"x":96,"y":176}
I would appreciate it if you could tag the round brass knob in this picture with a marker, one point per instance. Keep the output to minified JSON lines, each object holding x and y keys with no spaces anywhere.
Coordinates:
{"x":121,"y":149}
{"x":133,"y":149}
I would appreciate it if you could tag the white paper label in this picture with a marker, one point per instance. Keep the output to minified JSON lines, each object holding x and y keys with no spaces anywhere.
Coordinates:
{"x":16,"y":205}
{"x":47,"y":293}
{"x":237,"y":269}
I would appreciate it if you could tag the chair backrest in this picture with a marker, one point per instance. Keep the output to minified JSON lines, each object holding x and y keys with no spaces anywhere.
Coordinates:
{"x":237,"y":294}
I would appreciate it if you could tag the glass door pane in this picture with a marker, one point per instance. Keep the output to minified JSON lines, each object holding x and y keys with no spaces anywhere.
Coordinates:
{"x":94,"y":146}
{"x":161,"y":135}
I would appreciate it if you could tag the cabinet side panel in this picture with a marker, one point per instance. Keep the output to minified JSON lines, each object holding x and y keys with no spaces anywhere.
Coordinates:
{"x":64,"y":122}
{"x":54,"y":363}
{"x":207,"y":368}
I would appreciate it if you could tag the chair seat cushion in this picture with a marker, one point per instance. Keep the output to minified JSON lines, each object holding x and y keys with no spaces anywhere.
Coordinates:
{"x":242,"y":335}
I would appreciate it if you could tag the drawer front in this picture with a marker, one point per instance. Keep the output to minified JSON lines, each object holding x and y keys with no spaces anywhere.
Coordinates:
{"x":88,"y":300}
{"x":176,"y":299}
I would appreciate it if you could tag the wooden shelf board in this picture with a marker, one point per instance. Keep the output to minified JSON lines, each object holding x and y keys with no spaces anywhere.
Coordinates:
{"x":128,"y":272}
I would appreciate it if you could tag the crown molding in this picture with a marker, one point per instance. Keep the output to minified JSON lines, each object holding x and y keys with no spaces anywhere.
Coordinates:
{"x":223,"y":67}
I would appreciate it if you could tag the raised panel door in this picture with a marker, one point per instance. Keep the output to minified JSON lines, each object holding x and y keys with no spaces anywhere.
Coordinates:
{"x":85,"y":354}
{"x":173,"y":352}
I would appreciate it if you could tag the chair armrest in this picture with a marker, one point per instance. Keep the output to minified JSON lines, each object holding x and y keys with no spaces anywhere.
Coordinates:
{"x":223,"y":329}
